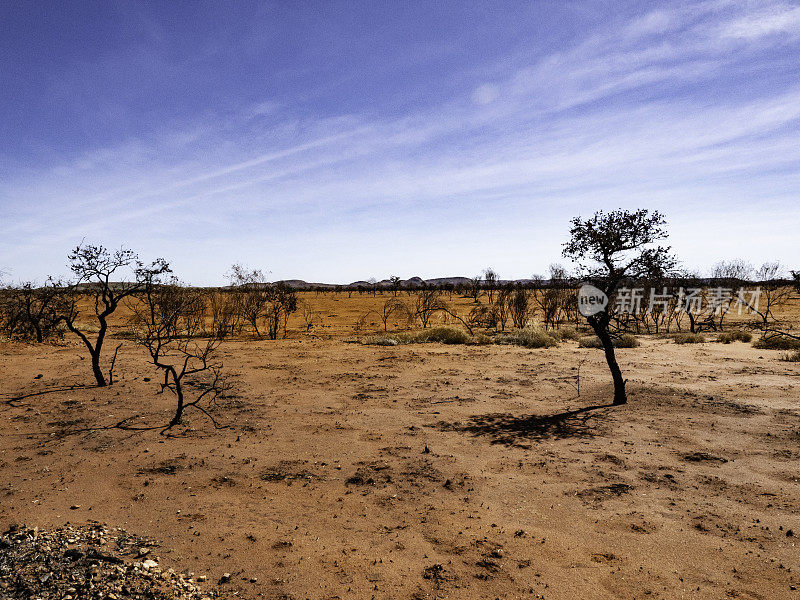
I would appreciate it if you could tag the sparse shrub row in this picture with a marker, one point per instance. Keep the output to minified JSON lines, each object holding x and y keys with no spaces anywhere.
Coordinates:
{"x":527,"y":338}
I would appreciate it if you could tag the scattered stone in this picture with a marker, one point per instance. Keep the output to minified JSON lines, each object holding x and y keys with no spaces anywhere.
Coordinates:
{"x":66,"y":564}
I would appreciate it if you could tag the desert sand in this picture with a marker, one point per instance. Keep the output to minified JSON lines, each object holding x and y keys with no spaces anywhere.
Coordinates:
{"x":424,"y":470}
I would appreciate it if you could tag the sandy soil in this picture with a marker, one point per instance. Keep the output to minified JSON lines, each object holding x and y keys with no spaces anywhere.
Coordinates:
{"x":428,"y":471}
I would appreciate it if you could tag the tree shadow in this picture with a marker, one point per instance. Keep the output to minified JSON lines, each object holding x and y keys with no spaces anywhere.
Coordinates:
{"x":13,"y":400}
{"x":166,"y":430}
{"x":515,"y":430}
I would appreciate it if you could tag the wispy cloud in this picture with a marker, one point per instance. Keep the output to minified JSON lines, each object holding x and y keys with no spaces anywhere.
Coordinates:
{"x":772,"y":20}
{"x":659,"y":110}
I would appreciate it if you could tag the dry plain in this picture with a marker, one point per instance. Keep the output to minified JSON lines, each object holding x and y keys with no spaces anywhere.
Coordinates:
{"x":426,"y":470}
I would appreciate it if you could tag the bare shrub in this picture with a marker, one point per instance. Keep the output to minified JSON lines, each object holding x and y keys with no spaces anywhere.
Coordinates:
{"x":311,"y":318}
{"x":281,"y":302}
{"x":482,"y":315}
{"x":519,"y":305}
{"x":222,"y":312}
{"x":394,"y":307}
{"x":556,"y":297}
{"x":774,"y":292}
{"x":265,"y":306}
{"x":95,"y":269}
{"x":165,"y":324}
{"x":32,"y":313}
{"x":474,"y":287}
{"x":501,"y":306}
{"x":428,"y":302}
{"x":490,"y":282}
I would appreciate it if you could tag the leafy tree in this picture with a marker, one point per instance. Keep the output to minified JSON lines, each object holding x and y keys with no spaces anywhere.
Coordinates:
{"x":612,"y":247}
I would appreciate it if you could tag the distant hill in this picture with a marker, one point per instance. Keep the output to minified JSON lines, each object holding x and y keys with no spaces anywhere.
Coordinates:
{"x":410,"y":283}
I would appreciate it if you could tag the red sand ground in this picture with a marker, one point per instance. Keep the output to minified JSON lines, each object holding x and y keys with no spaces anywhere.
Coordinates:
{"x":428,"y":471}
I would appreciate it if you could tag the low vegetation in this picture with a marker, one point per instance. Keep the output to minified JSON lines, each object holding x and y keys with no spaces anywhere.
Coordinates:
{"x":688,"y":338}
{"x":625,"y":340}
{"x":776,"y":342}
{"x":527,"y":338}
{"x":793,"y":356}
{"x":735,"y":336}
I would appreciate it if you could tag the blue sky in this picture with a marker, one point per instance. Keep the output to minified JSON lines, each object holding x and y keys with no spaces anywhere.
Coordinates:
{"x":335,"y":141}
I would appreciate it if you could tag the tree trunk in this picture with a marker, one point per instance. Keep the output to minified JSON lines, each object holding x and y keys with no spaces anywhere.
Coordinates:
{"x":601,"y":330}
{"x":179,"y":409}
{"x":98,"y":346}
{"x":96,"y":370}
